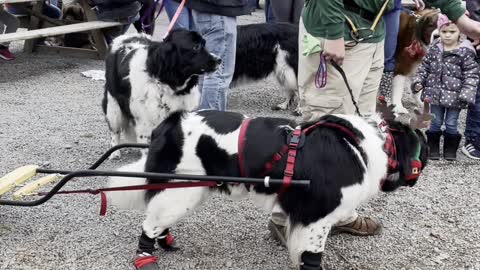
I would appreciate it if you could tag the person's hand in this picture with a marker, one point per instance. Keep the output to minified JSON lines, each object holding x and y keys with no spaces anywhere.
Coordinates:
{"x":469,"y":27}
{"x":418,"y":87}
{"x":420,"y":5}
{"x":476,"y":44}
{"x":334,"y":50}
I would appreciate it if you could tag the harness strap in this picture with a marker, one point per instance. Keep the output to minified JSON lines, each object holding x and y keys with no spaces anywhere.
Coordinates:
{"x":355,"y":31}
{"x":151,"y":11}
{"x":345,"y":130}
{"x":291,"y":156}
{"x":415,"y":49}
{"x":160,"y":186}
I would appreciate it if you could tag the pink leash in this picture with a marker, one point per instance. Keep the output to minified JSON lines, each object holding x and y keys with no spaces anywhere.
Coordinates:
{"x":175,"y":18}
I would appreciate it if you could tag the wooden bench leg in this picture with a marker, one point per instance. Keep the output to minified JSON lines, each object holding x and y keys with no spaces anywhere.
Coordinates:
{"x":34,"y":24}
{"x":97,"y":35}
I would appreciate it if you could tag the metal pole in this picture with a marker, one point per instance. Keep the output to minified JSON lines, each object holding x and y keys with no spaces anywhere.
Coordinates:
{"x":154,"y":176}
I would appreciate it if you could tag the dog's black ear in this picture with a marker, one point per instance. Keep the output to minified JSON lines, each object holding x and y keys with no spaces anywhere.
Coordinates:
{"x":170,"y":35}
{"x":162,"y":61}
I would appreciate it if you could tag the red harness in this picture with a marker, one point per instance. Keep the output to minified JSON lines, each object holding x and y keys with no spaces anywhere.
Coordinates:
{"x":292,"y":148}
{"x":415,"y":50}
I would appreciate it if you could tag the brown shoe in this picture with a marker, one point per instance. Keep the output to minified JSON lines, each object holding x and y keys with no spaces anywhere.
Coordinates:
{"x":278,"y":232}
{"x":362,"y":226}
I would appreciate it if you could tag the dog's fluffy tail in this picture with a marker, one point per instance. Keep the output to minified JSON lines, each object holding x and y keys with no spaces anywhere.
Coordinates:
{"x":131,"y":199}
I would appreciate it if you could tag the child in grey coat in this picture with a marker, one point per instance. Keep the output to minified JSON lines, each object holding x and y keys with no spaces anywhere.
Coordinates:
{"x":448,"y":77}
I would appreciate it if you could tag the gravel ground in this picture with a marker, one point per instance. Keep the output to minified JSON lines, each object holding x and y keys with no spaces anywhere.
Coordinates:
{"x":50,"y":115}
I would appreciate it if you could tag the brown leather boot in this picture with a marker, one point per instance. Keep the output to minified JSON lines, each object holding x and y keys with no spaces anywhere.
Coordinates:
{"x":362,"y":226}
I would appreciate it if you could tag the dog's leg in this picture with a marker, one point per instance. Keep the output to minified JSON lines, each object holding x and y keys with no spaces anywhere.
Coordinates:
{"x":397,"y":93}
{"x":116,"y":123}
{"x":169,"y":206}
{"x":307,"y":243}
{"x":286,"y":79}
{"x":164,"y":210}
{"x":143,"y":130}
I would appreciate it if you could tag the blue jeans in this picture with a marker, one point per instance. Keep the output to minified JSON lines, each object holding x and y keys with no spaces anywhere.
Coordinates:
{"x":220,"y":34}
{"x":472,"y":130}
{"x":51,"y":11}
{"x":185,"y":17}
{"x":449,"y":116}
{"x":392,"y":21}
{"x":269,"y":18}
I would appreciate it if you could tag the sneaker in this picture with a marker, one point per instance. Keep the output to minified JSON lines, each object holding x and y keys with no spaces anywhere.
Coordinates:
{"x":362,"y":226}
{"x":471,"y":151}
{"x":5,"y":54}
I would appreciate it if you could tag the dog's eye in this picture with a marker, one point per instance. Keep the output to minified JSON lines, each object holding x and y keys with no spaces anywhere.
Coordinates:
{"x":197,"y":47}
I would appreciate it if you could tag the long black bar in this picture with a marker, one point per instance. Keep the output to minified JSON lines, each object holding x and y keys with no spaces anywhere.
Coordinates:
{"x":155,"y":176}
{"x":115,"y":148}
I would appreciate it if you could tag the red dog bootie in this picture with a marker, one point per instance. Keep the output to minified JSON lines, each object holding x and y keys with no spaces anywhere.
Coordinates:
{"x":145,"y":261}
{"x":166,"y":241}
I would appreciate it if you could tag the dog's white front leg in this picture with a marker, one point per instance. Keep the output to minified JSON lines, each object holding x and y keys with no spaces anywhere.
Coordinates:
{"x":143,"y":130}
{"x":307,"y":243}
{"x":397,"y":93}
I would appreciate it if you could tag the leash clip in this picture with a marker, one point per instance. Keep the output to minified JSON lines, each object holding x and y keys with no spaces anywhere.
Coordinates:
{"x":355,"y":34}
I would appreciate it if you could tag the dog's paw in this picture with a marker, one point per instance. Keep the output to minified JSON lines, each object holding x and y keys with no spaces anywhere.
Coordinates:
{"x":115,"y":155}
{"x":298,"y":111}
{"x":280,"y":107}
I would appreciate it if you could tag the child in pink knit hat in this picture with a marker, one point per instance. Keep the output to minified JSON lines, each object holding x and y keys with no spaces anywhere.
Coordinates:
{"x":442,"y":21}
{"x":448,"y":78}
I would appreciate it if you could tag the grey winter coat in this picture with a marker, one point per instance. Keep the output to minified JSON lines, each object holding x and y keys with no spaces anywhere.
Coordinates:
{"x":449,"y":78}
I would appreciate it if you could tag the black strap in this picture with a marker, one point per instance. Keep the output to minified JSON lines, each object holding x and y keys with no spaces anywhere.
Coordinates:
{"x":340,"y":70}
{"x":351,"y":6}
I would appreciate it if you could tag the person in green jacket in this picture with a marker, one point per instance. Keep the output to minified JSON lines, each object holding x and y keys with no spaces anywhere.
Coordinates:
{"x":324,"y":29}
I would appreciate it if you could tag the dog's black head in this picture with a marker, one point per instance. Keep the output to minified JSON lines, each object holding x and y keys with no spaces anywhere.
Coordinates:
{"x":405,"y":145}
{"x":180,"y":59}
{"x":411,"y":156}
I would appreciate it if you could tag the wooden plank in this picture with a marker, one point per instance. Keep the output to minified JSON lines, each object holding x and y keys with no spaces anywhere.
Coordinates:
{"x":34,"y":24}
{"x":17,"y":1}
{"x":98,"y":36}
{"x":17,"y":177}
{"x":58,"y":30}
{"x":34,"y":186}
{"x":68,"y":51}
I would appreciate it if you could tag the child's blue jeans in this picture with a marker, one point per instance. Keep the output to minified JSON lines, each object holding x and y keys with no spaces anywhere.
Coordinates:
{"x":449,"y":116}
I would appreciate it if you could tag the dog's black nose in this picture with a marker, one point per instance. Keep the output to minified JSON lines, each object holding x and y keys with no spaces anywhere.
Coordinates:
{"x":218,"y":60}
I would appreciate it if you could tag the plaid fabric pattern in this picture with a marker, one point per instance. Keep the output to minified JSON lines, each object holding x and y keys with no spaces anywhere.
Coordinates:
{"x":391,"y":151}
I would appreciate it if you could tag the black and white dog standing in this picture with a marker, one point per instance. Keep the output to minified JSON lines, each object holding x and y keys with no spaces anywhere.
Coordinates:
{"x":343,"y":155}
{"x":267,"y":49}
{"x":146,"y":80}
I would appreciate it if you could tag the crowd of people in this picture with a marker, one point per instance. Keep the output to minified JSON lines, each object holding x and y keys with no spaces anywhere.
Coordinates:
{"x":366,"y":59}
{"x":448,"y":76}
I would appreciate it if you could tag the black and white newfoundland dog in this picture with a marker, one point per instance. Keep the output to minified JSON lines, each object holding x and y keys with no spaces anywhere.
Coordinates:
{"x":344,"y":156}
{"x":146,"y":80}
{"x":268,"y":49}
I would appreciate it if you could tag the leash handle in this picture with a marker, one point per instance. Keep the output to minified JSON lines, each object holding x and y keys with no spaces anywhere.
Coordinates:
{"x":151,"y":10}
{"x":321,"y":75}
{"x":175,"y":18}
